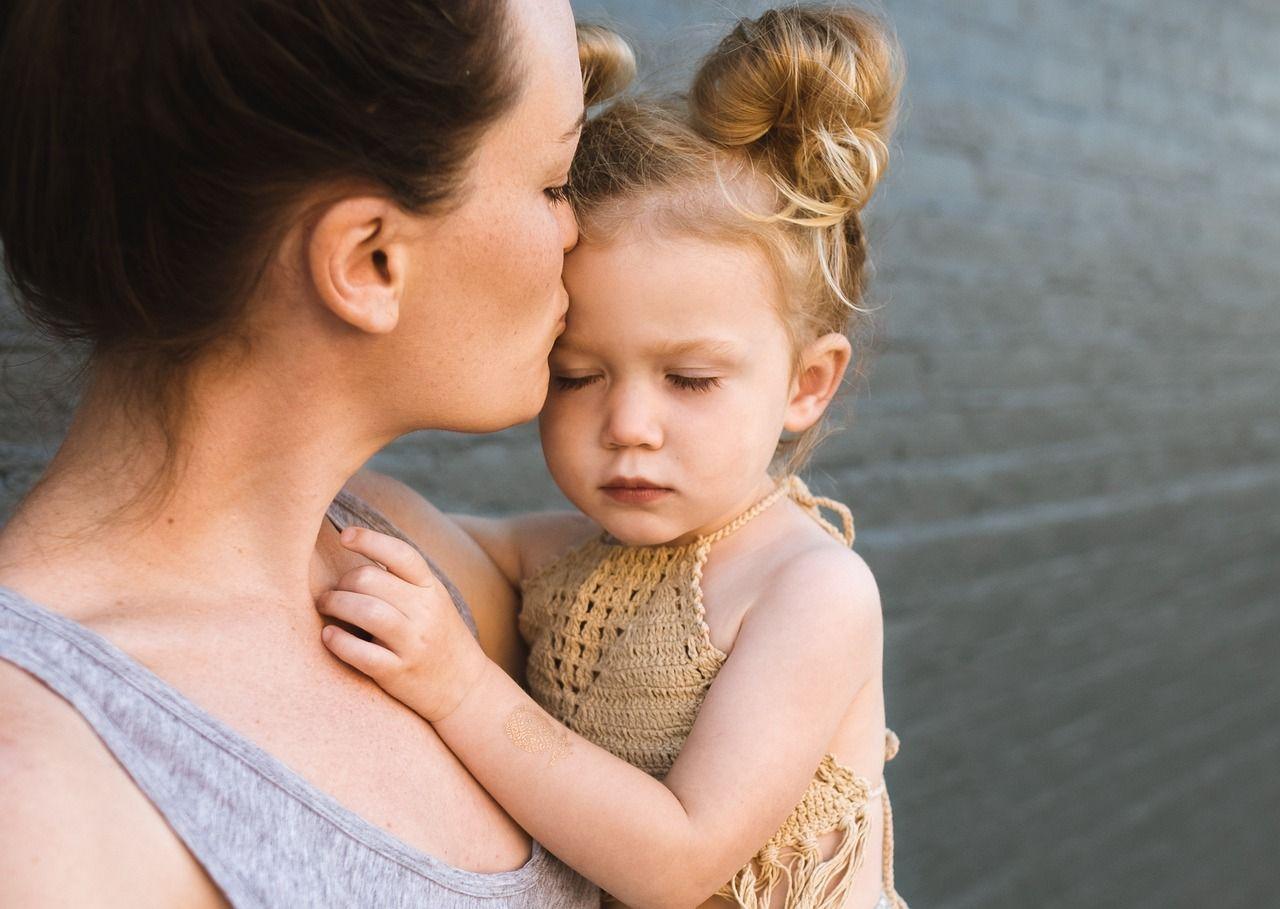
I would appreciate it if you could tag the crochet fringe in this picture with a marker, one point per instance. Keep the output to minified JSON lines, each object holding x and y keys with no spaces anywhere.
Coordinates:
{"x":807,"y":875}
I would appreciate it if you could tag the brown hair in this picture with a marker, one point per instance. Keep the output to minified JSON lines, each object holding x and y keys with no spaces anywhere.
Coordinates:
{"x":153,"y":151}
{"x":780,"y":142}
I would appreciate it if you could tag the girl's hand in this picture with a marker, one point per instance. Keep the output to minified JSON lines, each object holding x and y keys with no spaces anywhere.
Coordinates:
{"x":422,"y":654}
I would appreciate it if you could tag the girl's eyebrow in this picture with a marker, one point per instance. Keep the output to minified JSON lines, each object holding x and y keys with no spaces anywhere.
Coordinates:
{"x":718,"y":348}
{"x":713,"y":348}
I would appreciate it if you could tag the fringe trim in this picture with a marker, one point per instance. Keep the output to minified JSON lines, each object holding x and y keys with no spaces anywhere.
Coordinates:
{"x":809,"y":876}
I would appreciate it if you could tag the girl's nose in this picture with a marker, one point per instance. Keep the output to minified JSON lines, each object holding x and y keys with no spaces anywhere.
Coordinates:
{"x":632,"y":421}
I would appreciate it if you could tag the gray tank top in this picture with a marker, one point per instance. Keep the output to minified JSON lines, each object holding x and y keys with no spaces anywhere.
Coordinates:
{"x":265,"y":835}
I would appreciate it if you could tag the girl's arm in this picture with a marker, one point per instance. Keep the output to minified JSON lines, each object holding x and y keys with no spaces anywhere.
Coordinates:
{"x":801,"y":657}
{"x":522,"y":544}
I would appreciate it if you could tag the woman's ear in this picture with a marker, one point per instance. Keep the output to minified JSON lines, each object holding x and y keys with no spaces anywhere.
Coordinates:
{"x":822,"y":367}
{"x":357,"y":262}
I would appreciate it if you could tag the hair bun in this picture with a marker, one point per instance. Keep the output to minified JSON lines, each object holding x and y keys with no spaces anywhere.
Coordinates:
{"x":608,"y":63}
{"x":810,"y":93}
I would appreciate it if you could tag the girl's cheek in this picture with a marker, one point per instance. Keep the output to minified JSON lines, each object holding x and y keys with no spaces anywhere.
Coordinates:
{"x":558,"y":425}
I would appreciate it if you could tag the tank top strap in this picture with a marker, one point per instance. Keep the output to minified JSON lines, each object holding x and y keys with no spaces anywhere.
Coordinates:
{"x":265,"y":835}
{"x":348,"y":509}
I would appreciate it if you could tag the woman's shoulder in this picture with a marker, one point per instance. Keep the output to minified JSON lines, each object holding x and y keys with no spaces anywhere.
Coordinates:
{"x":482,"y":584}
{"x":63,"y":801}
{"x":400,"y":504}
{"x":429,"y":528}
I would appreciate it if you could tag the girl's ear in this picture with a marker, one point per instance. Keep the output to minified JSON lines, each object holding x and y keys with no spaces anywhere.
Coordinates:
{"x":357,"y":262}
{"x":822,"y":367}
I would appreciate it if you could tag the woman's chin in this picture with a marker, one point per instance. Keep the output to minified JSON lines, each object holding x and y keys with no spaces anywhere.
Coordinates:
{"x":494,"y":416}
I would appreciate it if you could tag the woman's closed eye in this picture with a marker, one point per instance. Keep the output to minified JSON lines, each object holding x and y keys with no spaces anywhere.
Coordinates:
{"x":558,"y":194}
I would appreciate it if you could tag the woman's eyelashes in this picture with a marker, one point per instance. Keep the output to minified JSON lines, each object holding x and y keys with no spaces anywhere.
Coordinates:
{"x":558,"y":194}
{"x":685,"y":383}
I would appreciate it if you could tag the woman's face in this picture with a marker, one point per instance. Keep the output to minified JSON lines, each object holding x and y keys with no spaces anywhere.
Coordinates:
{"x":484,"y":300}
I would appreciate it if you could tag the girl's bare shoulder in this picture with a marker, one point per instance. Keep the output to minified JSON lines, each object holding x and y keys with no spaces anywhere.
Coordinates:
{"x":823,"y":585}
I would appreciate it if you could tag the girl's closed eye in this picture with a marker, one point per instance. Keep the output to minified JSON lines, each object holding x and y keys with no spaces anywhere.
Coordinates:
{"x":558,"y":194}
{"x":570,"y":383}
{"x":694,"y":383}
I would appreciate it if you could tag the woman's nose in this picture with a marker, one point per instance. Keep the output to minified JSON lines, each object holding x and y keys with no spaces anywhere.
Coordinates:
{"x":632,"y":421}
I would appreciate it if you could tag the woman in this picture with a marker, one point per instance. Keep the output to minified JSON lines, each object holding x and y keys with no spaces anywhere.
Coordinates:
{"x":288,"y":233}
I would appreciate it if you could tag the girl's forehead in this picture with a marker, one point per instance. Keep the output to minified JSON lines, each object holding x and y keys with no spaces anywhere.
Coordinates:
{"x":644,"y":261}
{"x":669,"y":300}
{"x":725,"y":347}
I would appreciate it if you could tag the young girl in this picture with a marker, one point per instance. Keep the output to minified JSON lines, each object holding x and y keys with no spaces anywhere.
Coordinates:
{"x":703,"y":622}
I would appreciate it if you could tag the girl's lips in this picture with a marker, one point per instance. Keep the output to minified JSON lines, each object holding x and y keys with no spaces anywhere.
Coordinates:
{"x":635,"y":495}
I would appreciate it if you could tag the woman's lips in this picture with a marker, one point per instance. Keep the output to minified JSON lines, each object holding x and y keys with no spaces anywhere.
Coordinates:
{"x":635,"y":495}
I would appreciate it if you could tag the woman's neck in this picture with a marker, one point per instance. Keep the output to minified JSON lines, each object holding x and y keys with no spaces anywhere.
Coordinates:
{"x":256,"y":467}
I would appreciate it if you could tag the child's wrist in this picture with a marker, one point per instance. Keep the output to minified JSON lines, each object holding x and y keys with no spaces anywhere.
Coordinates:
{"x":472,"y":675}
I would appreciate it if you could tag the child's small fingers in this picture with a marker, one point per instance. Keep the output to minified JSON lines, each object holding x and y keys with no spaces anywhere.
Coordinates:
{"x":375,"y":582}
{"x":399,"y":557}
{"x":373,"y":660}
{"x":376,"y":616}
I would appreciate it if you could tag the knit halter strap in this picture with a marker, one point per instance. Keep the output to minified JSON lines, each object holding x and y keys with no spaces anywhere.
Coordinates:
{"x":791,"y":485}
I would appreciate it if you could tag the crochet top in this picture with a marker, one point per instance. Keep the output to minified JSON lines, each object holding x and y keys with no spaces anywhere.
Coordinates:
{"x":620,"y":652}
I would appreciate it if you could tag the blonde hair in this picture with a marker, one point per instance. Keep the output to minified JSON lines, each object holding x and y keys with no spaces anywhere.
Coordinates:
{"x":780,"y":142}
{"x":607,"y":61}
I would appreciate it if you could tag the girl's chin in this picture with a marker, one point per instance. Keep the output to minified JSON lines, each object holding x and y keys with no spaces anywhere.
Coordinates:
{"x":642,"y":533}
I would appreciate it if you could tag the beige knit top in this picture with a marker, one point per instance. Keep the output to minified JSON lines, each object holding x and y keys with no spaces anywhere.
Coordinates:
{"x":620,"y":652}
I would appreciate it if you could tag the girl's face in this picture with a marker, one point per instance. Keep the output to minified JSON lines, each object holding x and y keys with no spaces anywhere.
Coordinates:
{"x":669,"y":388}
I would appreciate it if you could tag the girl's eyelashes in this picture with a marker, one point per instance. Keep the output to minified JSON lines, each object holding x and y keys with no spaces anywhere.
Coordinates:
{"x":694,"y":383}
{"x":686,"y":383}
{"x":570,"y":383}
{"x":558,"y":194}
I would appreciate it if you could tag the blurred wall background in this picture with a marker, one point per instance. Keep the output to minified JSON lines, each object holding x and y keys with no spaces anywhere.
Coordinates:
{"x":1066,"y":463}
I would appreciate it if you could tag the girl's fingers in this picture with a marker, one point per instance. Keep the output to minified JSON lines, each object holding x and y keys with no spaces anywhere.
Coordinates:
{"x":399,"y":557}
{"x":378,"y":617}
{"x":377,"y":582}
{"x":373,"y":660}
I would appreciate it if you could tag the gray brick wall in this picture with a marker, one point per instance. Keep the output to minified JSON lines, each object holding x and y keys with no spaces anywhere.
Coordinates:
{"x":1066,"y":462}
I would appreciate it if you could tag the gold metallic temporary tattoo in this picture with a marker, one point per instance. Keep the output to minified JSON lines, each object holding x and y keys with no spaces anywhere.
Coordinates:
{"x":534,"y":733}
